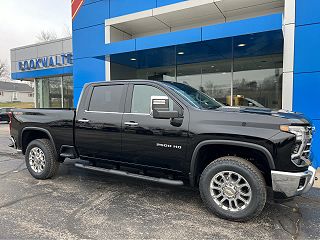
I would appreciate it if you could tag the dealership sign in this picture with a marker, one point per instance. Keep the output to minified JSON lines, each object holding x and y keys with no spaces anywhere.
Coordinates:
{"x":75,"y":7}
{"x":45,"y":62}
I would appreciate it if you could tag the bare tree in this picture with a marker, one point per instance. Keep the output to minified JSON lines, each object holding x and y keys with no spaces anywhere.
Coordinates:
{"x":66,"y":32}
{"x":45,"y":36}
{"x":2,"y":68}
{"x":4,"y":71}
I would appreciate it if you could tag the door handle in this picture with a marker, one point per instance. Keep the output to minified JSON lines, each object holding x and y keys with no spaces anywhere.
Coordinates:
{"x":83,"y":120}
{"x":131,"y":124}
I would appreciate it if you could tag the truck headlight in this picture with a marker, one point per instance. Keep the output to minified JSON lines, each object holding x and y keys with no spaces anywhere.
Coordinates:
{"x":301,"y":149}
{"x":299,"y":131}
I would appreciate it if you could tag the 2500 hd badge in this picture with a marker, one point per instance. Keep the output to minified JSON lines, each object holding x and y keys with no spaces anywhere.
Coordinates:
{"x":164,"y":145}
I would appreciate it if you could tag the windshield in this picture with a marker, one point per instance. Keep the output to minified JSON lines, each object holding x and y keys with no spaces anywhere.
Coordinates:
{"x":193,"y":96}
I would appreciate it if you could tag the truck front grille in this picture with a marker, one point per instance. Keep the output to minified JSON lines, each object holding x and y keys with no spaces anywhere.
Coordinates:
{"x":306,"y":151}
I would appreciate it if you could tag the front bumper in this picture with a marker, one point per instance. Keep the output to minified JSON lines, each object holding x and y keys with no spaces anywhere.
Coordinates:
{"x":293,"y":184}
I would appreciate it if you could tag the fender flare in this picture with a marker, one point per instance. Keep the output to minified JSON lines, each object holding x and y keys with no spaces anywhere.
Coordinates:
{"x":39,"y":129}
{"x":193,"y":164}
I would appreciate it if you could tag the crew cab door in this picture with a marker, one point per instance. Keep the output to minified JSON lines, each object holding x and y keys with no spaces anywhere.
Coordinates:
{"x":98,"y":122}
{"x":149,"y":141}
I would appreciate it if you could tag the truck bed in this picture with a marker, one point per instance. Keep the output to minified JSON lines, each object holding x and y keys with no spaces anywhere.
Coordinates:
{"x":58,"y":122}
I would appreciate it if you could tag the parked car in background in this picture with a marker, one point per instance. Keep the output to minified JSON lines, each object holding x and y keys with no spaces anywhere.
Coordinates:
{"x":251,"y":103}
{"x":4,"y":114}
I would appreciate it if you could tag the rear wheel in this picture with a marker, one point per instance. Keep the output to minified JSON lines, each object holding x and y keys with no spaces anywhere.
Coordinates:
{"x":41,"y":159}
{"x":233,"y":188}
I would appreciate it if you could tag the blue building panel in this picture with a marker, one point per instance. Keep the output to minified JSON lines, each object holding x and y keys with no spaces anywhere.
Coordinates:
{"x":89,"y":42}
{"x":307,"y":49}
{"x":91,"y":14}
{"x":307,"y":12}
{"x":247,"y":26}
{"x":76,"y":95}
{"x":169,"y":39}
{"x":315,"y":151}
{"x":123,"y":7}
{"x":306,"y":91}
{"x":86,"y":2}
{"x":120,"y":47}
{"x":307,"y":68}
{"x":161,"y":3}
{"x":88,"y":70}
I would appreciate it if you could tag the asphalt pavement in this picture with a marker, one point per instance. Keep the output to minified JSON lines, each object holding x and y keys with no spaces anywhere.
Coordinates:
{"x":81,"y":204}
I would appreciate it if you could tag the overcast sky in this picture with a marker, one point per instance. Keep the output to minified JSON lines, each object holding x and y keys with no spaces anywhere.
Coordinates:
{"x":22,"y":20}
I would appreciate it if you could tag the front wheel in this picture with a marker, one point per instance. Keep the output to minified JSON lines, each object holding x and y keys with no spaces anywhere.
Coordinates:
{"x":41,"y":159}
{"x":233,"y":188}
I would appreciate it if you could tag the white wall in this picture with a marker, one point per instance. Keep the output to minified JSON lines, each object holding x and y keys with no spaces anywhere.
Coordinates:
{"x":186,"y":15}
{"x":7,"y":96}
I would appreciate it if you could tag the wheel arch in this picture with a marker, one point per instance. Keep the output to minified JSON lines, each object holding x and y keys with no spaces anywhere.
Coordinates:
{"x":37,"y":132}
{"x":195,"y":160}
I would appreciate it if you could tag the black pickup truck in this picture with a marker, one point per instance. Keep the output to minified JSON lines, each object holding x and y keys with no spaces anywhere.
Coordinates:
{"x":171,"y":133}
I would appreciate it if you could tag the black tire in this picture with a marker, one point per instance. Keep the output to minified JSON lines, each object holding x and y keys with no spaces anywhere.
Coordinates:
{"x":250,"y":173}
{"x":51,"y":165}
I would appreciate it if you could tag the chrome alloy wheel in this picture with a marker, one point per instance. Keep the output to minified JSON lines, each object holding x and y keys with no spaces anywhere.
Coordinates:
{"x":37,"y":160}
{"x":231,"y":191}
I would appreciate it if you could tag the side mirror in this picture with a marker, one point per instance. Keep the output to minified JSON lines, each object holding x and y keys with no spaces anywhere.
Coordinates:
{"x":159,"y":114}
{"x":160,"y":108}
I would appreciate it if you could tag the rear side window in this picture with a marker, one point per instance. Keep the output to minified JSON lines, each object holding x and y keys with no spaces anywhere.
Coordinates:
{"x":107,"y":99}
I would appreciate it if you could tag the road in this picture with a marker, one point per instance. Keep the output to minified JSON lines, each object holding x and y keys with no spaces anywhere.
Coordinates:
{"x":84,"y":204}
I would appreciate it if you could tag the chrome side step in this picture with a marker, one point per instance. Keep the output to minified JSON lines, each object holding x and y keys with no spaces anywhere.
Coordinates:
{"x":132,"y":175}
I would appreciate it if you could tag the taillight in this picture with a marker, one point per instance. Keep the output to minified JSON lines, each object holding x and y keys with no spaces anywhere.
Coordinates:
{"x":10,"y":122}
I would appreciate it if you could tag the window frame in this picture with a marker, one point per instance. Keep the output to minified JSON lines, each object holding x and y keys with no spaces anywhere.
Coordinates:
{"x":15,"y":96}
{"x":122,"y":98}
{"x":129,"y":98}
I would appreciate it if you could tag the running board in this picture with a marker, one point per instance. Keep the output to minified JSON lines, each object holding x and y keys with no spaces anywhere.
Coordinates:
{"x":132,"y":175}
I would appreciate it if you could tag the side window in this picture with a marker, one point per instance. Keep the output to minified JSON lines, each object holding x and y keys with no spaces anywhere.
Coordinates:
{"x":141,"y":99}
{"x":106,"y":99}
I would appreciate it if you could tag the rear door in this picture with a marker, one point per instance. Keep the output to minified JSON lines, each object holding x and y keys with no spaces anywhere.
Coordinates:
{"x":98,"y":123}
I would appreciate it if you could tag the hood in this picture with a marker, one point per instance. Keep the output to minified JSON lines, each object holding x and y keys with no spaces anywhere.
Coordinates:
{"x":293,"y":117}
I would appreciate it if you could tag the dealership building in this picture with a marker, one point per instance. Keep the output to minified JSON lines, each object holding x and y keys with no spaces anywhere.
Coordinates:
{"x":241,"y":52}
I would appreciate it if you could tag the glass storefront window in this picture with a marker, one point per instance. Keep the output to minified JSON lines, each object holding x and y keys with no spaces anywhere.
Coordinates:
{"x":212,"y":78}
{"x":54,"y":92}
{"x":38,"y":93}
{"x":257,"y":82}
{"x":67,"y":83}
{"x":216,"y":80}
{"x":157,"y":73}
{"x":241,"y":71}
{"x":190,"y":74}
